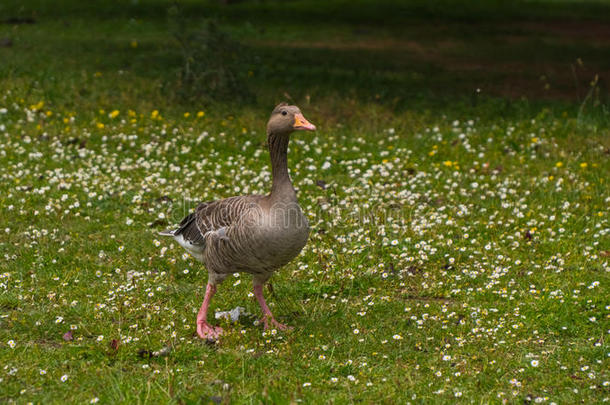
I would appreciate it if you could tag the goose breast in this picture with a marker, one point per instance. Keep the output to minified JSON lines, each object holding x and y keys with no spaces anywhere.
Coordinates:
{"x":286,"y":231}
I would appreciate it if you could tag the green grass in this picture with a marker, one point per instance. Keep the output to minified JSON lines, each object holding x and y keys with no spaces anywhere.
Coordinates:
{"x":459,"y":247}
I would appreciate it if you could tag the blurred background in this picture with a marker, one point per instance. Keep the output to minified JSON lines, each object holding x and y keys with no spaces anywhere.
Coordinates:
{"x":425,"y":56}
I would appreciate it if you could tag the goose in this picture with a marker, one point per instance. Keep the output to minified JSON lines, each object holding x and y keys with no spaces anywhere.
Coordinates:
{"x":255,"y":234}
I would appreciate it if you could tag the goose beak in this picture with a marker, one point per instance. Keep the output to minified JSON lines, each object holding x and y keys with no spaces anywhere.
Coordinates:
{"x":300,"y":123}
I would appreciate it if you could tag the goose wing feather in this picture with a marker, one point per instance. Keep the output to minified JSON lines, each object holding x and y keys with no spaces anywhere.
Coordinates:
{"x":215,"y":217}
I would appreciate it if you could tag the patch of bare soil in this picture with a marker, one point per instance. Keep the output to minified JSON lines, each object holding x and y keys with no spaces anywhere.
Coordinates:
{"x":592,"y":31}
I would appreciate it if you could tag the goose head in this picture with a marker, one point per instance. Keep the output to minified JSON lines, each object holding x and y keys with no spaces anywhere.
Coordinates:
{"x":287,"y":118}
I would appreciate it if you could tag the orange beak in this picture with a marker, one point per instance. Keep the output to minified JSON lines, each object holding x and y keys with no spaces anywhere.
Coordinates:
{"x":300,"y":123}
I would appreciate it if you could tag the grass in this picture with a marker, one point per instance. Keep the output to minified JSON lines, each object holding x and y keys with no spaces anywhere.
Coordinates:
{"x":459,"y":246}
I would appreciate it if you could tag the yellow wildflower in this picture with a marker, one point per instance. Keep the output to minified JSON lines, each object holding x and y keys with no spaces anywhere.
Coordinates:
{"x":448,"y":163}
{"x":187,"y":114}
{"x":583,"y":165}
{"x":559,"y":164}
{"x":114,"y":114}
{"x":100,"y":125}
{"x":37,"y":106}
{"x":200,"y":114}
{"x":154,"y":114}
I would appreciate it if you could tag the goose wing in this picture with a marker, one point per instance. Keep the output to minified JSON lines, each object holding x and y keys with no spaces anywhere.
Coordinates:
{"x":214,"y":218}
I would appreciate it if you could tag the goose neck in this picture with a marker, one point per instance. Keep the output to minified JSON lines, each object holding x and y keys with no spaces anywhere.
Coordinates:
{"x":278,"y":150}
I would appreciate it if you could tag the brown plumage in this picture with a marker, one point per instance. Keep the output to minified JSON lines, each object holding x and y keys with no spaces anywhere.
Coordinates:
{"x":255,"y":234}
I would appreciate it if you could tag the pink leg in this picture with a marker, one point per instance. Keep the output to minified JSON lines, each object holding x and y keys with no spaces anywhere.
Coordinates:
{"x":267,"y":315}
{"x":204,"y":329}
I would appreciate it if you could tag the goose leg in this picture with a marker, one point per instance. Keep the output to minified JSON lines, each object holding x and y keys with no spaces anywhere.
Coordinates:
{"x":204,"y":329}
{"x":267,"y":315}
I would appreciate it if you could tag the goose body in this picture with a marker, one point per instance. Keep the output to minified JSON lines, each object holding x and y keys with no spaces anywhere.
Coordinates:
{"x":245,"y":234}
{"x":255,"y":234}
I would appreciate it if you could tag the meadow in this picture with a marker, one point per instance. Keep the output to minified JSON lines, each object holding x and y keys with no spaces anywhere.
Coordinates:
{"x":457,"y":190}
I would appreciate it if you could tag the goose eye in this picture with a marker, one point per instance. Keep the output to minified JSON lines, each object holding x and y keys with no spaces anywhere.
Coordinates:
{"x":284,"y":113}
